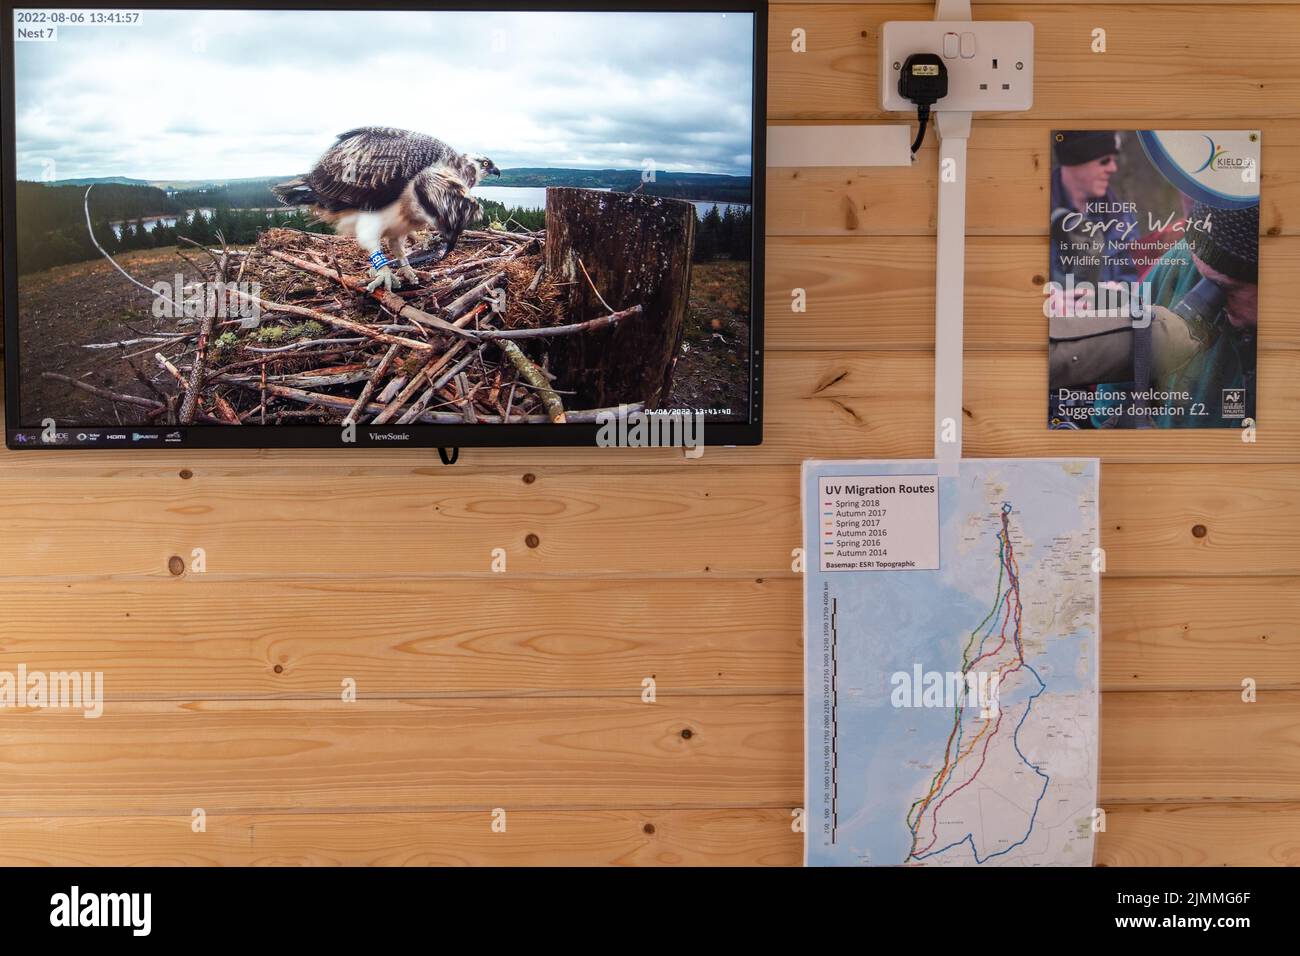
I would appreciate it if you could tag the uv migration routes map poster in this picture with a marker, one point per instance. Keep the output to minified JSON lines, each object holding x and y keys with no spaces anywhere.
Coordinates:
{"x":950,"y":640}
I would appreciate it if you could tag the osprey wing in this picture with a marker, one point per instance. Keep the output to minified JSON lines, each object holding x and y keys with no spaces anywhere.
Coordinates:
{"x":368,"y":168}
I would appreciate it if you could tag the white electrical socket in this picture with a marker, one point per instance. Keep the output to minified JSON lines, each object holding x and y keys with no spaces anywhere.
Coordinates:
{"x":990,"y":62}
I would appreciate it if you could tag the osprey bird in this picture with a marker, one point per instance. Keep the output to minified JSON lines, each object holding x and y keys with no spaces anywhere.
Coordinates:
{"x":377,"y":183}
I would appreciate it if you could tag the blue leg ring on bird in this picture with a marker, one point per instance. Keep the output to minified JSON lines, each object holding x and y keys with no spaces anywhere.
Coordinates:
{"x":378,"y":261}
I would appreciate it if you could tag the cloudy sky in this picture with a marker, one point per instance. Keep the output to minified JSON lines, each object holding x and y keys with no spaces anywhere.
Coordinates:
{"x":232,"y":94}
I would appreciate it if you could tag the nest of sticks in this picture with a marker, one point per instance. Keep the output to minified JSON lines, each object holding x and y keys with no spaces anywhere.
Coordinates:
{"x":458,"y":348}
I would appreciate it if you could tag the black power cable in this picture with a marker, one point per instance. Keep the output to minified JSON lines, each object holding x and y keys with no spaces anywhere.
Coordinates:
{"x":922,"y":121}
{"x":924,"y":81}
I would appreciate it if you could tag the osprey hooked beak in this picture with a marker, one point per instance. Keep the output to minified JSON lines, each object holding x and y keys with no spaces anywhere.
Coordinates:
{"x":488,"y":167}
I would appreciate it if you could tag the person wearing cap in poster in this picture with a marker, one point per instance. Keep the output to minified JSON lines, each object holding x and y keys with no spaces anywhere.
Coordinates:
{"x":1225,"y":315}
{"x":1086,"y":161}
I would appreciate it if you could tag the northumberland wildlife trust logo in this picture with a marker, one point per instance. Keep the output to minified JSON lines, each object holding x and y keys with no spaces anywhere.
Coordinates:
{"x":56,"y":690}
{"x":1234,"y":403}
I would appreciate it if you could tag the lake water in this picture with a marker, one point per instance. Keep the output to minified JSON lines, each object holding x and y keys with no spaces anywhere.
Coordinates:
{"x":149,"y":223}
{"x":522,"y":197}
{"x":534,"y":197}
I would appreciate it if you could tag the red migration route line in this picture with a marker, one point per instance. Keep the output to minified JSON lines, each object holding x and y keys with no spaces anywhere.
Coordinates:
{"x":1013,"y":572}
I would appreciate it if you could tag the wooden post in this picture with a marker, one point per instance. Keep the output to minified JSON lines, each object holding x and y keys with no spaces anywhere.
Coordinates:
{"x":637,"y":251}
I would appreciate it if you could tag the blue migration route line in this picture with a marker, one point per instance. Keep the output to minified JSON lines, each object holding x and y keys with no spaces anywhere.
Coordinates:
{"x":1006,"y":559}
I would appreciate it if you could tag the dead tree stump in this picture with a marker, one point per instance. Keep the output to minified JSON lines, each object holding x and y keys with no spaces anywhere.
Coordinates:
{"x":637,"y":251}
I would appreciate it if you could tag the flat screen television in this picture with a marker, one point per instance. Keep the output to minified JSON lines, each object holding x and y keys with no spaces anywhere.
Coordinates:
{"x":515,"y":224}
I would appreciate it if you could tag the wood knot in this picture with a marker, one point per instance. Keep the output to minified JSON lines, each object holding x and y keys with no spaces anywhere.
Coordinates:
{"x":176,"y":565}
{"x":532,"y":541}
{"x":830,"y":380}
{"x":1198,"y":531}
{"x":851,"y":220}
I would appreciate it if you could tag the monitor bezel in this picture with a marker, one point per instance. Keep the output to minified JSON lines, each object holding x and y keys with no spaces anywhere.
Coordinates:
{"x":396,"y":436}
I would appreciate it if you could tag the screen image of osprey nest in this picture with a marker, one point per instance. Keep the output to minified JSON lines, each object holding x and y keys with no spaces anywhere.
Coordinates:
{"x":248,"y":218}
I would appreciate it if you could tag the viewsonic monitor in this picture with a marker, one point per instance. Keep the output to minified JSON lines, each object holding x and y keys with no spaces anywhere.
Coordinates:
{"x":329,"y":227}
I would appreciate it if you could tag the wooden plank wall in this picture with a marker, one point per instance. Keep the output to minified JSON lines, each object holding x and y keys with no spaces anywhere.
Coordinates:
{"x":521,"y":690}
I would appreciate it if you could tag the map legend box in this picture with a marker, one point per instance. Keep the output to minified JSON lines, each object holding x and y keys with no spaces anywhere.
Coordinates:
{"x":874,"y":523}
